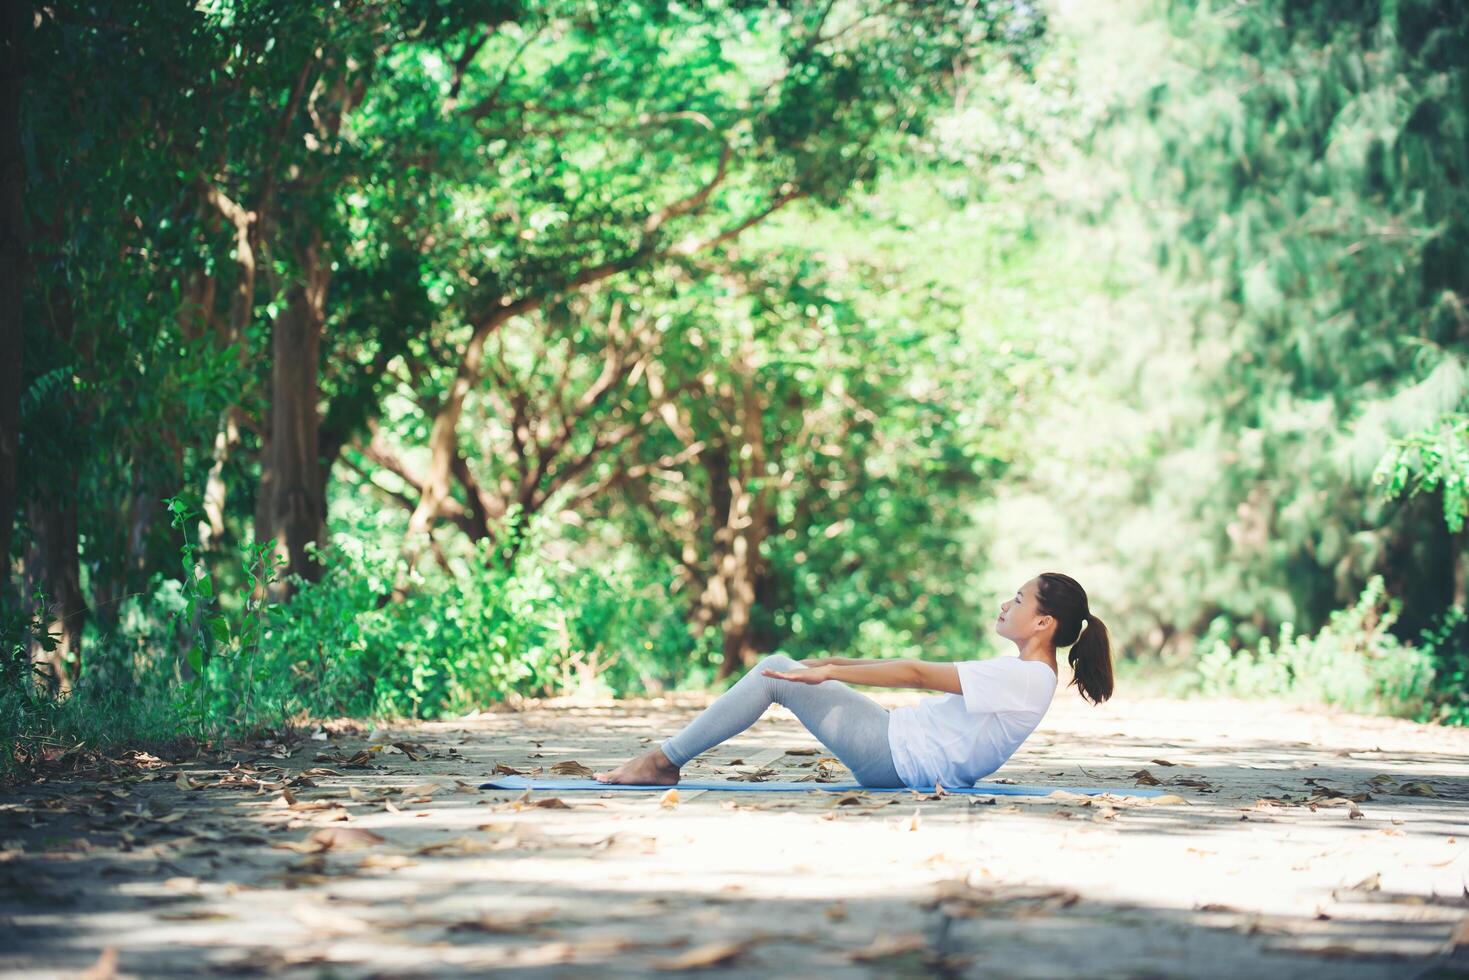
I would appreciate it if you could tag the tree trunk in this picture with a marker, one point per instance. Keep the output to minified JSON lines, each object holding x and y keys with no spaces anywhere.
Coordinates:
{"x":749,"y":521}
{"x":134,"y":564}
{"x":14,"y":26}
{"x":292,"y":503}
{"x":52,"y":563}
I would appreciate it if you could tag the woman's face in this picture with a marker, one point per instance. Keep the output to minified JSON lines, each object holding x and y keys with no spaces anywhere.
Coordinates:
{"x":1019,"y":618}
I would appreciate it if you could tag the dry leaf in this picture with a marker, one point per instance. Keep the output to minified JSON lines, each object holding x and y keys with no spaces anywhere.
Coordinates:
{"x":505,"y":770}
{"x":359,"y":795}
{"x":669,"y":800}
{"x":346,"y":838}
{"x":885,"y":946}
{"x":1066,"y":796}
{"x":104,"y":969}
{"x":412,"y":751}
{"x":193,"y":915}
{"x":1354,"y":812}
{"x":1371,"y":883}
{"x":422,"y":789}
{"x":182,"y":781}
{"x":509,"y":923}
{"x":914,"y":821}
{"x":1145,"y":778}
{"x":551,"y":803}
{"x":458,"y":845}
{"x":1413,"y":789}
{"x":709,"y":954}
{"x":328,"y":921}
{"x":386,"y":862}
{"x":1162,"y":762}
{"x":572,"y":768}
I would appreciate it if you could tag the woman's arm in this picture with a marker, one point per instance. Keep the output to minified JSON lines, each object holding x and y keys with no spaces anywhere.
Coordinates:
{"x":918,"y":674}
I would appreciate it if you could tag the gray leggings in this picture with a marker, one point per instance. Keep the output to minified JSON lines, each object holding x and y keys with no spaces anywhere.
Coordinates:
{"x":852,"y":725}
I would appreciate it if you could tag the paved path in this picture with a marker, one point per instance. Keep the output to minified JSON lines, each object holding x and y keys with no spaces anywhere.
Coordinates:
{"x":1309,"y":844}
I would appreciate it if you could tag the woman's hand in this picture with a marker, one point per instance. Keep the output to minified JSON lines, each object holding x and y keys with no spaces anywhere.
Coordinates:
{"x":809,"y":675}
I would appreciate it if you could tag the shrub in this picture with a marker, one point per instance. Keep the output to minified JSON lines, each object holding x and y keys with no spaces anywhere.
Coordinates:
{"x":1354,"y":662}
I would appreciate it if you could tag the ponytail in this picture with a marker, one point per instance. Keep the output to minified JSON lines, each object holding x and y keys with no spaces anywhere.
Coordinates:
{"x":1082,"y":630}
{"x":1091,"y":661}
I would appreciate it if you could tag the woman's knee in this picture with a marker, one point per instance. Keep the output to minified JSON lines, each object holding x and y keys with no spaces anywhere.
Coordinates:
{"x":776,"y":661}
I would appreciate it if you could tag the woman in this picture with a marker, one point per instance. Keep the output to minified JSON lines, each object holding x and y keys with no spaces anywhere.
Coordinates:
{"x":991,"y":705}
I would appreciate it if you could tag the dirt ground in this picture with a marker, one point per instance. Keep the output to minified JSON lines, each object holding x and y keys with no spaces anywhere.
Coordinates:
{"x":1302,"y":843}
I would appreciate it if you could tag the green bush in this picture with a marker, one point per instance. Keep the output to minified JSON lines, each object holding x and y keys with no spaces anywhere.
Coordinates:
{"x":1354,"y":662}
{"x":536,"y":625}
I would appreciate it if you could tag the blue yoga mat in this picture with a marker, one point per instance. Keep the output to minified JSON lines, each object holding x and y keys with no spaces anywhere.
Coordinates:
{"x":779,"y":786}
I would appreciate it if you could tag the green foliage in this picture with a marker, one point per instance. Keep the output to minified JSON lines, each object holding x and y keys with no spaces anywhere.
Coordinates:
{"x":222,"y":645}
{"x":1354,"y":662}
{"x":533,"y":625}
{"x":1305,"y":161}
{"x":1434,"y":460}
{"x":1446,"y":643}
{"x":21,"y":625}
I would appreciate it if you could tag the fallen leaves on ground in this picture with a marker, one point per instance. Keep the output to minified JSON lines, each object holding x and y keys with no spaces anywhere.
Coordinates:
{"x":669,"y":800}
{"x":457,"y":845}
{"x":755,"y":776}
{"x":324,"y":921}
{"x":709,"y":954}
{"x":385,"y":862}
{"x":883,"y":947}
{"x":1145,"y":778}
{"x":959,"y":899}
{"x":421,"y":789}
{"x":1413,"y":789}
{"x":104,"y":969}
{"x":334,"y":839}
{"x":506,"y":923}
{"x":572,"y":768}
{"x":412,"y":750}
{"x":1354,"y":812}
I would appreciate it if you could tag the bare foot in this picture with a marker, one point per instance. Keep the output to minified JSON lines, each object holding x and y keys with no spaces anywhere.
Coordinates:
{"x":652,"y":768}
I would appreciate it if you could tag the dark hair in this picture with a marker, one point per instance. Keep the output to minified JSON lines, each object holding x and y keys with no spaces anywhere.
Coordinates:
{"x":1091,"y":649}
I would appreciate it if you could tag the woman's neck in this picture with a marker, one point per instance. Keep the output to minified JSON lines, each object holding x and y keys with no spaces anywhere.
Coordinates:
{"x":1041,"y":653}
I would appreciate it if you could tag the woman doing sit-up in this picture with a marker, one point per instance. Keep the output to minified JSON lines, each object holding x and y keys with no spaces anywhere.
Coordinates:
{"x":989,"y":706}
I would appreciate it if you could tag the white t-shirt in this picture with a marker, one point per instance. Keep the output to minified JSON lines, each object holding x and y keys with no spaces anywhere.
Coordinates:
{"x":957,"y":740}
